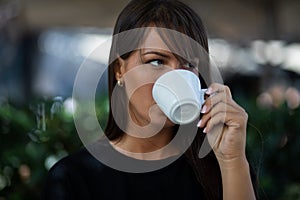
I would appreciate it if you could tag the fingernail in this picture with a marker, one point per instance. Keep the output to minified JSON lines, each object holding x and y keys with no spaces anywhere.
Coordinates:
{"x":199,"y":123}
{"x":204,"y":130}
{"x":203,"y":110}
{"x":208,"y":91}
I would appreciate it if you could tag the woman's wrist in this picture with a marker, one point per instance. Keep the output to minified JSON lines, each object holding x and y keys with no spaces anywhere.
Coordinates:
{"x":233,"y":163}
{"x":236,"y":179}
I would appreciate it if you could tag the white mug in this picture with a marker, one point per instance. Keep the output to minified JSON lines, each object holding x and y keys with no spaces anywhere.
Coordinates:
{"x":179,"y":95}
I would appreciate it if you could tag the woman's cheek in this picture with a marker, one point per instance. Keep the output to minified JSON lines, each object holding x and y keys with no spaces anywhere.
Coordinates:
{"x":142,"y":99}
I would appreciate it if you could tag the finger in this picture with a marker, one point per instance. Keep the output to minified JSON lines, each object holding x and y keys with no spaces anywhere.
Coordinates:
{"x":229,"y":119}
{"x":225,"y":107}
{"x":216,"y":135}
{"x":214,"y":100}
{"x":220,"y":107}
{"x":219,"y":98}
{"x":218,"y":88}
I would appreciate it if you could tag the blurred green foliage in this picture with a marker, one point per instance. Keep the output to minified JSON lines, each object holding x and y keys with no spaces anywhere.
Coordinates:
{"x":33,"y":137}
{"x":273,"y":147}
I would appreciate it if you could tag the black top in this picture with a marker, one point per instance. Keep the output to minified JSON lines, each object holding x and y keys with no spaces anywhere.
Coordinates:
{"x":82,"y":176}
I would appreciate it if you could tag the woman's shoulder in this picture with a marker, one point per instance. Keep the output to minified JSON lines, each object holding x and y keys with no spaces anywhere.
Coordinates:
{"x":73,"y":176}
{"x":80,"y":161}
{"x":76,"y":176}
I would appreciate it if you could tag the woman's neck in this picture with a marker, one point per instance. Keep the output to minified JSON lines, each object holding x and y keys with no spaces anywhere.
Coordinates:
{"x":151,"y":148}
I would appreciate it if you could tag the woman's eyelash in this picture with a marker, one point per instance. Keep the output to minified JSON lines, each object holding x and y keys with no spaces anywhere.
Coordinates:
{"x":189,"y":65}
{"x":159,"y":62}
{"x":155,"y":62}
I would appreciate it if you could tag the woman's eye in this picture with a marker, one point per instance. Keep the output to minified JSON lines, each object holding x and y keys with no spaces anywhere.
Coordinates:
{"x":156,"y":62}
{"x":189,"y":66}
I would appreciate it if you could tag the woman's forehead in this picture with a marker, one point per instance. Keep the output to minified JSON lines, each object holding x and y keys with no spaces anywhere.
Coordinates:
{"x":158,"y":51}
{"x":153,"y":40}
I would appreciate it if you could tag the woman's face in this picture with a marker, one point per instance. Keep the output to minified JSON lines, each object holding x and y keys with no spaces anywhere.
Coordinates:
{"x":138,"y":74}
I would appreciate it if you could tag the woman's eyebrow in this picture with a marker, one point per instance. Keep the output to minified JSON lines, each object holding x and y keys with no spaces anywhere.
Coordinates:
{"x":157,"y":53}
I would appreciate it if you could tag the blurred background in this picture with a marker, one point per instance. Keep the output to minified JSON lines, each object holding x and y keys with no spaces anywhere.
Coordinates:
{"x":255,"y":44}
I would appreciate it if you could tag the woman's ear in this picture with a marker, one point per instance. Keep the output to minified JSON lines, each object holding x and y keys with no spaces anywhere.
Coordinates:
{"x":119,"y":68}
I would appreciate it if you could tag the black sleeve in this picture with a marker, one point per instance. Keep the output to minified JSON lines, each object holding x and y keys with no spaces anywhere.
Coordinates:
{"x":57,"y":185}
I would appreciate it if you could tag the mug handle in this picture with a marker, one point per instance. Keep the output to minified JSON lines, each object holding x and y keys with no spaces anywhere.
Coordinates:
{"x":202,"y":94}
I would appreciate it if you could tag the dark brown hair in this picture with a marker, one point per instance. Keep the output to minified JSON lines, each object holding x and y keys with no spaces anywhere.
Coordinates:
{"x":177,"y":16}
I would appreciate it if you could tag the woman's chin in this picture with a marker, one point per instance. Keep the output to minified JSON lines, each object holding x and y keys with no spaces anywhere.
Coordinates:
{"x":162,"y":121}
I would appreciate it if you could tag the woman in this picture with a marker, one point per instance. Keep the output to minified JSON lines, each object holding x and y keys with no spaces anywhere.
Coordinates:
{"x":222,"y":174}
